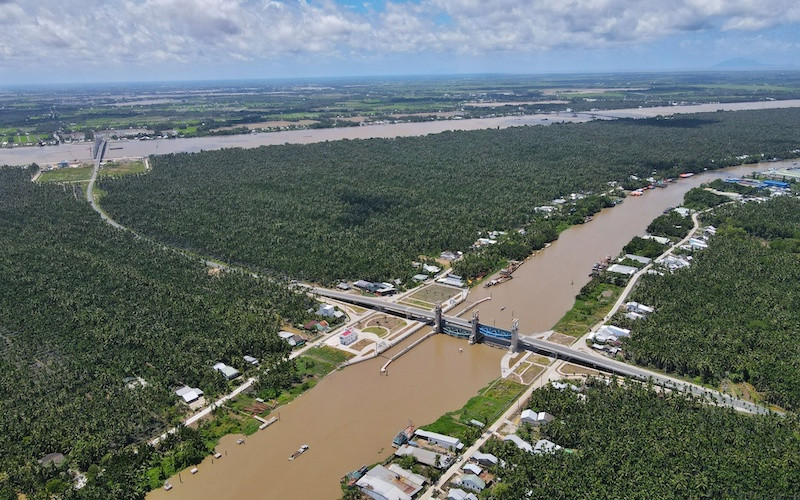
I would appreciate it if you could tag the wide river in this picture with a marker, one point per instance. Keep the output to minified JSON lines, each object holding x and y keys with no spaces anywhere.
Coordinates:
{"x":133,"y":148}
{"x":350,"y":418}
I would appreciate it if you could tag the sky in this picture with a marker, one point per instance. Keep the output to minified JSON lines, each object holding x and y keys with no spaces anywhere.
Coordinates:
{"x":70,"y":41}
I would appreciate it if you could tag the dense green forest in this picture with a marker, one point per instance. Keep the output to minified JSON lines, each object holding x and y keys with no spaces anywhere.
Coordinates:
{"x":83,"y":306}
{"x":627,"y":441}
{"x":733,"y":314}
{"x":366,"y":208}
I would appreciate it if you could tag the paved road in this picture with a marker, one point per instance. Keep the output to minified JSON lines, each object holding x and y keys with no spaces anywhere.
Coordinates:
{"x":90,"y":189}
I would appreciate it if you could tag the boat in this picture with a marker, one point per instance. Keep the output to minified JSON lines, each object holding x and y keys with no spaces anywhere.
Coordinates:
{"x":299,"y":452}
{"x":194,"y":470}
{"x":167,"y":485}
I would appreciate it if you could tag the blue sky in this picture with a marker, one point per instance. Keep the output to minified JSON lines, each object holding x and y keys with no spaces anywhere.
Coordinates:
{"x":51,"y":41}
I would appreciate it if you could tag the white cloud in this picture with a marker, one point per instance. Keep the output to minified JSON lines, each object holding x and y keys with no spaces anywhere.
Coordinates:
{"x":62,"y":33}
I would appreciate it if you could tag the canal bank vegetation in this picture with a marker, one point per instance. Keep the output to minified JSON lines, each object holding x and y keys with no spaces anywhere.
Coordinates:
{"x":594,"y":301}
{"x":732,"y":316}
{"x":367,"y":208}
{"x":630,"y":441}
{"x":486,"y":407}
{"x":86,"y":309}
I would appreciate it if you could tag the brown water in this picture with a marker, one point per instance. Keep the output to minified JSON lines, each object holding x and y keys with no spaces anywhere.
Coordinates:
{"x":545,"y":286}
{"x":349,"y":419}
{"x":121,"y":149}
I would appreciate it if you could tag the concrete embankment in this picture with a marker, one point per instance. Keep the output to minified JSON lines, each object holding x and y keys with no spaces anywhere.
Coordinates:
{"x":406,"y":350}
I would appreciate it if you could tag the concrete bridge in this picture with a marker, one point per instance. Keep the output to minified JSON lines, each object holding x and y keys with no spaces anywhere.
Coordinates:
{"x":474,"y":331}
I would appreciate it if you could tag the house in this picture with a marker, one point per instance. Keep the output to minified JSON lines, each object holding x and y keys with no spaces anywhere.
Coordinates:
{"x":459,"y":494}
{"x":697,"y":244}
{"x":536,"y":418}
{"x":620,"y":269}
{"x":472,"y":469}
{"x":326,"y":310}
{"x":657,"y":239}
{"x":674,"y":262}
{"x":250,"y":359}
{"x":521,"y":443}
{"x":431,"y":269}
{"x":563,"y":385}
{"x":450,"y":256}
{"x":189,"y":394}
{"x":447,"y":442}
{"x":638,"y":308}
{"x":682,"y":211}
{"x":420,"y":277}
{"x":545,"y":446}
{"x":390,"y":483}
{"x":367,"y":286}
{"x":545,"y":209}
{"x":615,"y":331}
{"x":52,"y":458}
{"x":292,"y":339}
{"x":634,"y":316}
{"x":638,"y":258}
{"x":229,"y":372}
{"x":343,"y":286}
{"x":485,"y":459}
{"x":348,"y":336}
{"x":425,"y":457}
{"x":472,"y":482}
{"x":710,"y":230}
{"x":452,"y":281}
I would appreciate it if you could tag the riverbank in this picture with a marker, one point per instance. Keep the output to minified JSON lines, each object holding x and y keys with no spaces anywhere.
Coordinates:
{"x":122,"y":148}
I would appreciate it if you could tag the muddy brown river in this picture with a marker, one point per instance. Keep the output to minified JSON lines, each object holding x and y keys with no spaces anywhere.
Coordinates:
{"x":350,"y":418}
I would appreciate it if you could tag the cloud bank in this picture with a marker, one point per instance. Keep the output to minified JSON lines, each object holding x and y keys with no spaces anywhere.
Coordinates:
{"x":63,"y":33}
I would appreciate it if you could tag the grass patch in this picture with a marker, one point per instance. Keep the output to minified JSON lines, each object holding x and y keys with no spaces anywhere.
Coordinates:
{"x":118,"y":169}
{"x":328,"y":354}
{"x":592,"y":303}
{"x":433,"y":293}
{"x":77,"y":174}
{"x":377,"y":330}
{"x":486,"y":407}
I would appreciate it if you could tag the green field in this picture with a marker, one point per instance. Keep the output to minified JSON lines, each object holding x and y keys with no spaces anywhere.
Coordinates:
{"x":486,"y":407}
{"x":83,"y":173}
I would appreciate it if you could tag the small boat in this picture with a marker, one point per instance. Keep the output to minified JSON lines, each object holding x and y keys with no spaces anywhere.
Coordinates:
{"x":299,"y":452}
{"x":194,"y":470}
{"x":240,"y":441}
{"x":217,"y":455}
{"x":167,"y":486}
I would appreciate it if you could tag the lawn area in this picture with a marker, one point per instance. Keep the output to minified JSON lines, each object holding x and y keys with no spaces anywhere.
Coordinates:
{"x":433,"y":293}
{"x":377,"y":330}
{"x":486,"y":407}
{"x":328,"y":354}
{"x":592,"y":303}
{"x":82,"y":173}
{"x":118,"y":169}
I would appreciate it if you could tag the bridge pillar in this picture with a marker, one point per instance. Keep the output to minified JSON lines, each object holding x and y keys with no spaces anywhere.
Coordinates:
{"x":514,"y":347}
{"x":474,"y":334}
{"x":437,"y":318}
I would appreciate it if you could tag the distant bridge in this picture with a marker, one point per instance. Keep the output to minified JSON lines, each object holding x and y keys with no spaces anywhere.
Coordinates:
{"x":474,"y":331}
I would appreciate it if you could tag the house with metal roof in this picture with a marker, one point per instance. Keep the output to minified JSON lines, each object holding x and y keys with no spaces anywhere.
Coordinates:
{"x":485,"y":459}
{"x":189,"y":394}
{"x":521,"y":443}
{"x":472,"y":482}
{"x":536,"y":418}
{"x":447,"y":442}
{"x":229,"y":372}
{"x":425,"y":457}
{"x":390,"y":483}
